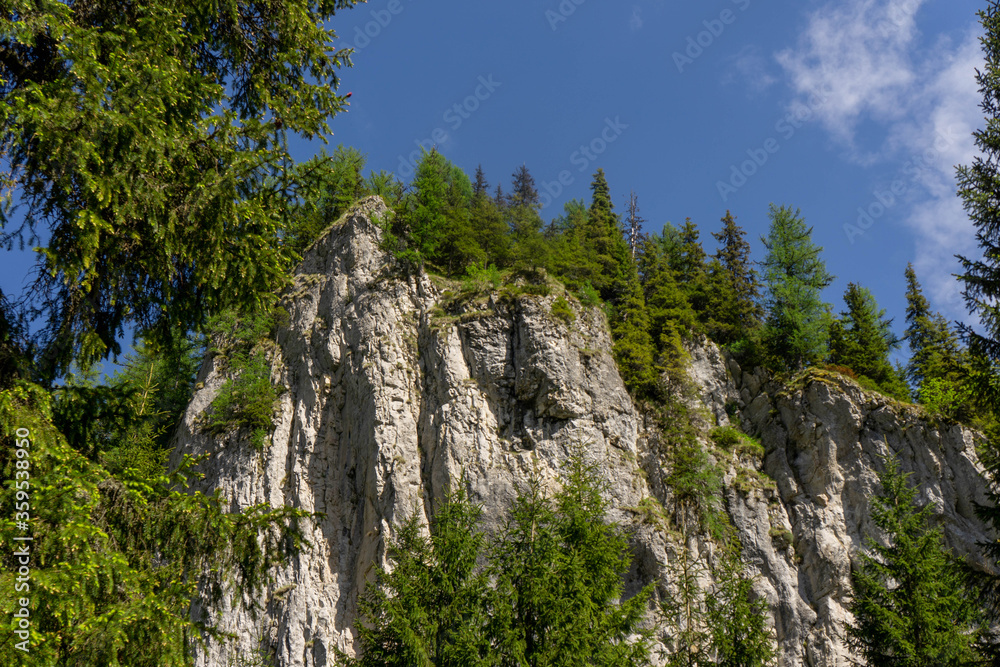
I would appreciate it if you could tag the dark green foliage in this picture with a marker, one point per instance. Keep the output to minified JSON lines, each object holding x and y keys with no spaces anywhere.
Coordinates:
{"x":126,"y":423}
{"x":671,"y":317}
{"x":492,"y":232}
{"x":434,"y":221}
{"x":797,"y":321}
{"x":600,"y":238}
{"x":335,"y":183}
{"x":862,"y":338}
{"x":979,"y":187}
{"x":736,"y":617}
{"x":15,"y":352}
{"x":910,"y":606}
{"x":559,"y":568}
{"x":116,"y":562}
{"x":734,"y":287}
{"x":145,"y":143}
{"x":938,"y":365}
{"x":571,"y":255}
{"x":633,"y":347}
{"x":556,"y":570}
{"x":430,"y":609}
{"x":246,"y":399}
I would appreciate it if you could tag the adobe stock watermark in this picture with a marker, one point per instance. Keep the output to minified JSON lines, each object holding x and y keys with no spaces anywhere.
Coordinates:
{"x":566,"y":8}
{"x":381,"y":18}
{"x":786,"y":128}
{"x":22,"y":543}
{"x":454,"y":116}
{"x":582,"y":158}
{"x":907,"y":180}
{"x":698,"y":43}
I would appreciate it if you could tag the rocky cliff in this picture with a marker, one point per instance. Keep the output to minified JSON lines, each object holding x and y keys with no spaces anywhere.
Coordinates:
{"x":397,"y":391}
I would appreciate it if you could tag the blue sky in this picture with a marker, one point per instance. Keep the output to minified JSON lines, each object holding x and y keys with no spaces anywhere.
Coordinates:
{"x":826,"y":106}
{"x":837,"y":107}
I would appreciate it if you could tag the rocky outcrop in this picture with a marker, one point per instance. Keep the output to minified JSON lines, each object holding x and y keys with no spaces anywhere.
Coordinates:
{"x":399,"y":389}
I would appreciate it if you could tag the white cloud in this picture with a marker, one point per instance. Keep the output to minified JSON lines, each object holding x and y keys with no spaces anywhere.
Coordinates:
{"x":635,"y":23}
{"x":750,"y":68}
{"x":918,"y":107}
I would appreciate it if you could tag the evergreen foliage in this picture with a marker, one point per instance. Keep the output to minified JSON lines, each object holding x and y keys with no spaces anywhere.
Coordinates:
{"x":911,"y":606}
{"x":430,"y":608}
{"x":671,"y":317}
{"x":146,"y":143}
{"x":117,"y":562}
{"x":556,"y":569}
{"x":738,"y":304}
{"x":335,"y":182}
{"x":736,"y":618}
{"x":862,"y":338}
{"x":797,"y":320}
{"x":246,"y":399}
{"x":978,"y":185}
{"x":937,"y":361}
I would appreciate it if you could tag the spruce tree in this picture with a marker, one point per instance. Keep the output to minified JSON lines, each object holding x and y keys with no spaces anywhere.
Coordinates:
{"x":736,"y":618}
{"x":862,"y":338}
{"x":935,"y":351}
{"x":796,"y":328}
{"x":436,"y":217}
{"x":978,"y":185}
{"x":691,"y":268}
{"x":671,"y":317}
{"x":911,"y":606}
{"x":431,"y":607}
{"x":490,"y":230}
{"x":734,"y":255}
{"x":571,"y":259}
{"x":480,"y":186}
{"x":530,"y":252}
{"x":602,"y":236}
{"x":559,"y":567}
{"x":146,"y":144}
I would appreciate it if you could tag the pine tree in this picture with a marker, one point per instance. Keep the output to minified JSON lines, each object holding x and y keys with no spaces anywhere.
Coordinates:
{"x":490,"y":230}
{"x":571,"y":259}
{"x":691,"y":268}
{"x":530,"y":252}
{"x":436,"y":217}
{"x":480,"y":186}
{"x":523,"y":190}
{"x":978,"y":185}
{"x":601,"y":236}
{"x":559,"y":570}
{"x":911,"y":606}
{"x":734,"y":255}
{"x":431,"y":607}
{"x":862,"y":338}
{"x":671,"y":318}
{"x":737,"y":620}
{"x":935,"y":351}
{"x":796,"y":328}
{"x":145,"y":143}
{"x":339,"y":184}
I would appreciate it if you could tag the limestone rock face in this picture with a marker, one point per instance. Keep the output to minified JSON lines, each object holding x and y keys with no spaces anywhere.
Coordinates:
{"x":397,"y":392}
